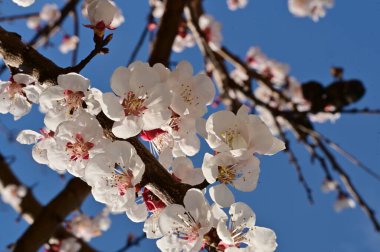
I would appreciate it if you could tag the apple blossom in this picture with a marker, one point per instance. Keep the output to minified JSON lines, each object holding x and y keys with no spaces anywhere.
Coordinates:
{"x":76,"y":142}
{"x":183,"y":227}
{"x":229,"y":170}
{"x":242,"y":134}
{"x":239,"y":233}
{"x":50,"y":13}
{"x":33,"y":22}
{"x":69,"y":43}
{"x":42,"y":142}
{"x":13,"y":194}
{"x":343,"y":201}
{"x":329,"y":185}
{"x":155,"y":207}
{"x":114,"y":174}
{"x":236,"y":4}
{"x":312,"y":8}
{"x":86,"y":228}
{"x":101,"y":14}
{"x":191,"y":94}
{"x":211,"y":29}
{"x":141,"y":103}
{"x":17,"y":95}
{"x":65,"y":245}
{"x":158,"y":8}
{"x":24,"y":3}
{"x":64,"y":101}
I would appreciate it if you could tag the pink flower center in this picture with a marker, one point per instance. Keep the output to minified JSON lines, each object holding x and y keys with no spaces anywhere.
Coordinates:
{"x":122,"y":179}
{"x":15,"y":88}
{"x":74,"y":100}
{"x":133,"y":105}
{"x":79,"y":149}
{"x":149,"y":135}
{"x":152,"y":202}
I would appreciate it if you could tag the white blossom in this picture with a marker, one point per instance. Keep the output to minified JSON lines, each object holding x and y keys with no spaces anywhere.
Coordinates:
{"x":236,"y":4}
{"x":141,"y":103}
{"x":183,"y":227}
{"x":66,"y":245}
{"x":313,"y":8}
{"x":86,"y":227}
{"x":64,"y":101}
{"x":42,"y":142}
{"x":13,"y":194}
{"x":158,"y":8}
{"x":69,"y":43}
{"x":191,"y":94}
{"x":343,"y":201}
{"x":240,"y":229}
{"x":229,"y":170}
{"x":33,"y":22}
{"x":76,"y":142}
{"x":114,"y":174}
{"x":242,"y":134}
{"x":211,"y":29}
{"x":50,"y":13}
{"x":17,"y":95}
{"x":101,"y":14}
{"x":24,"y":3}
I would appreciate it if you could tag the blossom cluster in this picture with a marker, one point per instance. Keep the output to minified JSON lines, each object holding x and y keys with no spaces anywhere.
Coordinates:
{"x":315,"y":9}
{"x":166,"y":108}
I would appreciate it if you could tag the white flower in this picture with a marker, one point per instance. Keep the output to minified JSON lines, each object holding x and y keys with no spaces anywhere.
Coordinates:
{"x":42,"y":142}
{"x":322,"y":117}
{"x":183,"y":39}
{"x":23,"y":3}
{"x":118,"y":19}
{"x":76,"y":142}
{"x":343,"y":201}
{"x":17,"y":95}
{"x":184,"y":170}
{"x":239,"y":76}
{"x":312,"y":8}
{"x":229,"y":170}
{"x":141,"y":103}
{"x":66,"y":245}
{"x":13,"y":194}
{"x":211,"y":29}
{"x":86,"y":228}
{"x":191,"y":94}
{"x":101,"y":14}
{"x":33,"y":22}
{"x":114,"y":174}
{"x":242,"y":134}
{"x":158,"y":8}
{"x":184,"y":227}
{"x":50,"y":13}
{"x":69,"y":43}
{"x":64,"y":101}
{"x":236,"y":4}
{"x":329,"y":185}
{"x":241,"y":229}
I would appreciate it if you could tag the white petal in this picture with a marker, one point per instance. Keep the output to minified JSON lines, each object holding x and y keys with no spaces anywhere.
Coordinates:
{"x":137,"y":213}
{"x":221,"y":195}
{"x":128,"y":127}
{"x":111,"y":106}
{"x":73,"y":81}
{"x":28,"y":137}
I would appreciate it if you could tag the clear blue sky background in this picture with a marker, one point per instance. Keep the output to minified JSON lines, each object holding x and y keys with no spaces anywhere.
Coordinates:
{"x":348,"y":37}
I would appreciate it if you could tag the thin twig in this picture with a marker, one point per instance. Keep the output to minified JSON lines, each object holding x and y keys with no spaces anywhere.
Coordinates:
{"x":132,"y":242}
{"x":17,"y":17}
{"x":76,"y":33}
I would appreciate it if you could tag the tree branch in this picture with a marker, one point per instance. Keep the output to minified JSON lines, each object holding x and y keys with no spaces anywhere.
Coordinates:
{"x":29,"y":207}
{"x":52,"y":215}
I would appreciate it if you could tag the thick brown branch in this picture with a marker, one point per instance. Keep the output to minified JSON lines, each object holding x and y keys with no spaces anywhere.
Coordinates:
{"x":30,"y":208}
{"x":52,"y":215}
{"x":167,"y":30}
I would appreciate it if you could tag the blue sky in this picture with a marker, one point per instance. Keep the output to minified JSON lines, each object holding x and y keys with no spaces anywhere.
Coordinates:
{"x":346,"y":37}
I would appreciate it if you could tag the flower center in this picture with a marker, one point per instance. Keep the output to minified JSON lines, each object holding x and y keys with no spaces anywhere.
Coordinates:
{"x":232,"y":137}
{"x":226,"y":174}
{"x":122,"y":179}
{"x":133,"y":105}
{"x":15,"y":88}
{"x":79,"y":149}
{"x":73,"y":100}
